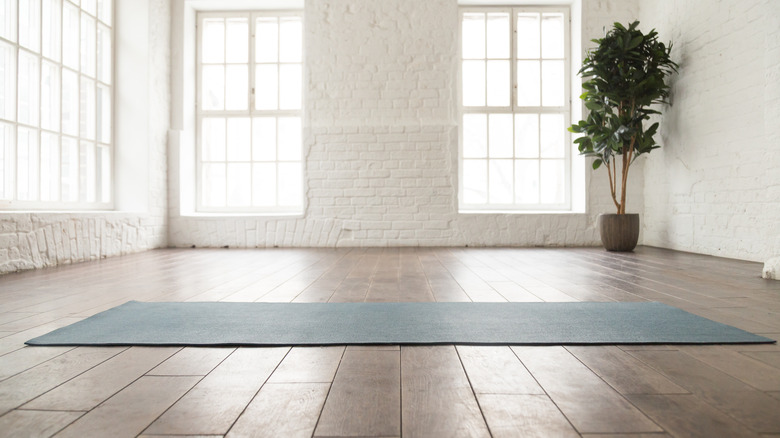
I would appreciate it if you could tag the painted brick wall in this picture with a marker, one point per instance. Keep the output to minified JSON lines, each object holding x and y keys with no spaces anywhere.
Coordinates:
{"x":714,"y":187}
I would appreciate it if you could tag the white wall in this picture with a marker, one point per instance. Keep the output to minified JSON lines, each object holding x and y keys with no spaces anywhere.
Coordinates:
{"x":714,"y":186}
{"x":381,"y":139}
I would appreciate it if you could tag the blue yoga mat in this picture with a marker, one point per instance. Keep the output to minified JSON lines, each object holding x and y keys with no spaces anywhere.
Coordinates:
{"x":216,"y":323}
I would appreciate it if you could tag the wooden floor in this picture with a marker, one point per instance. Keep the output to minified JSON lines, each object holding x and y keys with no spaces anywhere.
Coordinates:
{"x":441,"y":391}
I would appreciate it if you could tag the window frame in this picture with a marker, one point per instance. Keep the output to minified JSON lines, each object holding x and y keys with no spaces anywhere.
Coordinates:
{"x":514,"y":108}
{"x":249,"y":113}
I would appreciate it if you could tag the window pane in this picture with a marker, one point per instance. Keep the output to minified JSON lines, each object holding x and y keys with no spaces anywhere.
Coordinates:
{"x":30,"y":24}
{"x":70,"y":169}
{"x":104,"y":11}
{"x":104,"y":114}
{"x":213,"y":85}
{"x":70,"y":36}
{"x":290,"y":86}
{"x":528,"y":83}
{"x":264,"y":184}
{"x":87,"y":108}
{"x":88,"y":172}
{"x":237,"y":40}
{"x":89,"y":6}
{"x":266,"y":87}
{"x":526,"y":181}
{"x":498,"y":35}
{"x":498,"y":83}
{"x":50,"y":11}
{"x":213,"y":139}
{"x":104,"y":54}
{"x":474,"y":181}
{"x":50,"y":165}
{"x":237,"y":87}
{"x":213,"y":40}
{"x":8,"y":20}
{"x":264,"y":139}
{"x":7,"y":144}
{"x":70,"y":102}
{"x":88,"y":48}
{"x":527,"y":35}
{"x":500,"y":144}
{"x":28,"y":88}
{"x":50,"y":96}
{"x":239,"y":185}
{"x":213,"y":189}
{"x":552,"y":181}
{"x":552,"y":35}
{"x":7,"y":81}
{"x":526,"y":135}
{"x":473,"y":34}
{"x":291,"y":36}
{"x":266,"y":40}
{"x":473,"y":83}
{"x":104,"y":173}
{"x":238,"y":141}
{"x":27,"y":164}
{"x":289,"y":138}
{"x":501,"y":181}
{"x":552,"y":136}
{"x":290,"y":184}
{"x":552,"y":83}
{"x":474,"y":135}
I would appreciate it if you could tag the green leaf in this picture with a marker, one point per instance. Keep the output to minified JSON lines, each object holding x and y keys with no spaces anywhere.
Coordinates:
{"x":597,"y":163}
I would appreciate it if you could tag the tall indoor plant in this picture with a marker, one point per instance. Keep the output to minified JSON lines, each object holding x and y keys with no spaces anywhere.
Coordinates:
{"x":625,"y":75}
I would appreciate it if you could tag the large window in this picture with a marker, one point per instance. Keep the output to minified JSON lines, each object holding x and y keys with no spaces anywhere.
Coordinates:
{"x":55,"y":103}
{"x":249,"y":112}
{"x":515,"y":151}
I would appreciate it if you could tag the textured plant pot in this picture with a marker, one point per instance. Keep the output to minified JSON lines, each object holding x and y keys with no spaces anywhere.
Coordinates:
{"x":619,"y":232}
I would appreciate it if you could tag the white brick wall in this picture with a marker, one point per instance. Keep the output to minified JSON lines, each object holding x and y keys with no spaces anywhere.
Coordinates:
{"x":714,"y":187}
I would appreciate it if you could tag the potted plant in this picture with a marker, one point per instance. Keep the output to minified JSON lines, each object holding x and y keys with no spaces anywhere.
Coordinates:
{"x":625,"y":75}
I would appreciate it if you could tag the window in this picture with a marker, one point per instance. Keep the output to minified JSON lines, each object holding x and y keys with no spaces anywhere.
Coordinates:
{"x":55,"y":104}
{"x":249,"y":112}
{"x":515,"y":150}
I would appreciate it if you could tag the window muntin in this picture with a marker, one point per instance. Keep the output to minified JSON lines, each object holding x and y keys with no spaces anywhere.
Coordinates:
{"x":56,"y":142}
{"x":250,"y":112}
{"x":515,"y":107}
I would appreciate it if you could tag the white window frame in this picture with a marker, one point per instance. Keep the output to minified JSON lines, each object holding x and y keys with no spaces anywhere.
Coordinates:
{"x":513,"y":108}
{"x":250,"y":112}
{"x":14,"y":204}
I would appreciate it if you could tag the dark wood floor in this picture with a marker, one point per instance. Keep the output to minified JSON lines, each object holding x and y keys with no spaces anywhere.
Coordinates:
{"x":441,"y":391}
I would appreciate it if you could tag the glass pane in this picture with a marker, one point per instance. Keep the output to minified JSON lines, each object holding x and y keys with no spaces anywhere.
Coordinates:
{"x":264,"y":184}
{"x":213,"y":41}
{"x":552,"y":181}
{"x":70,"y":36}
{"x":498,"y":35}
{"x":237,"y":87}
{"x":289,"y":138}
{"x":239,"y":185}
{"x":552,"y":35}
{"x":7,"y":144}
{"x":28,"y":88}
{"x":104,"y":114}
{"x":27,"y":164}
{"x":291,"y":37}
{"x":238,"y":139}
{"x":8,"y":20}
{"x":30,"y":24}
{"x":290,"y":184}
{"x":104,"y":173}
{"x":264,"y":139}
{"x":88,"y":48}
{"x":213,"y":139}
{"x":473,"y":83}
{"x":7,"y":81}
{"x":552,"y":83}
{"x":213,"y":189}
{"x":528,"y":83}
{"x":474,"y":181}
{"x":89,"y":6}
{"x":213,"y":84}
{"x":290,"y":81}
{"x":87,"y":172}
{"x":70,"y":169}
{"x":50,"y":13}
{"x":552,"y":136}
{"x":266,"y":87}
{"x":473,"y":35}
{"x":104,"y":11}
{"x":50,"y":167}
{"x":104,"y":54}
{"x":500,"y":144}
{"x":266,"y":40}
{"x":498,"y":83}
{"x":474,"y":135}
{"x":526,"y":135}
{"x":87,"y":108}
{"x":527,"y":35}
{"x":50,"y":96}
{"x":70,"y":102}
{"x":237,"y":40}
{"x":501,"y":181}
{"x":526,"y":182}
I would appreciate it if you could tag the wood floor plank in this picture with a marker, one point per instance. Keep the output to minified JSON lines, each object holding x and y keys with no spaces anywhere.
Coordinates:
{"x":26,"y":358}
{"x":771,"y":358}
{"x":308,"y":365}
{"x":753,"y":372}
{"x":31,"y":424}
{"x":364,"y":399}
{"x":496,"y":370}
{"x":192,"y":361}
{"x":533,"y":416}
{"x":437,"y":399}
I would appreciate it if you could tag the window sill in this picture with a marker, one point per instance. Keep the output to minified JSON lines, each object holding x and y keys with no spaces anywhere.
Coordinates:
{"x":242,"y":215}
{"x":521,"y":212}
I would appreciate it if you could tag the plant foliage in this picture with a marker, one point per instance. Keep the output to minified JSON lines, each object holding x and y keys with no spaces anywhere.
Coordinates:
{"x":626,"y":74}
